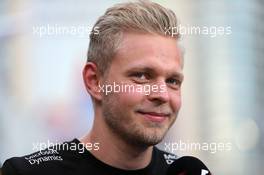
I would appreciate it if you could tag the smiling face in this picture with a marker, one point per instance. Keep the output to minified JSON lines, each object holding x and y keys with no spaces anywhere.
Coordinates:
{"x":144,"y":60}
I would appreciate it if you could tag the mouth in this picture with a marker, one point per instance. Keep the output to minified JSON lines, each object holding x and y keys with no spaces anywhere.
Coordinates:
{"x":154,"y":116}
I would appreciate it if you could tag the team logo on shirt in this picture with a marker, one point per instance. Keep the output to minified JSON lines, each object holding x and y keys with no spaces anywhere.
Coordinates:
{"x":43,"y":156}
{"x":169,"y":158}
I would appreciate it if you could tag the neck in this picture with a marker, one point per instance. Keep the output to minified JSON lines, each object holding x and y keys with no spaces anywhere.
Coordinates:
{"x":113,"y":150}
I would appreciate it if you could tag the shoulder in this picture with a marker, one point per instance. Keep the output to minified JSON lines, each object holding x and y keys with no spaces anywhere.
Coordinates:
{"x":43,"y":162}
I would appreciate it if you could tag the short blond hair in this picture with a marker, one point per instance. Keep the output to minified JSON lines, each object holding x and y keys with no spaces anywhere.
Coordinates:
{"x":140,"y":16}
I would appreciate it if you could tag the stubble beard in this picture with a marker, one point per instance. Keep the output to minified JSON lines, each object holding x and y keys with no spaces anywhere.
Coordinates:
{"x":123,"y":126}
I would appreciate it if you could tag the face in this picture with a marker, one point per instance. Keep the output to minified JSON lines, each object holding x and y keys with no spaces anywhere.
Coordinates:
{"x":137,"y":115}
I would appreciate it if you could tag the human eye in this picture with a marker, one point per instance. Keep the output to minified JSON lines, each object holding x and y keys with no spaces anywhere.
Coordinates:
{"x":174,"y":83}
{"x":140,"y":77}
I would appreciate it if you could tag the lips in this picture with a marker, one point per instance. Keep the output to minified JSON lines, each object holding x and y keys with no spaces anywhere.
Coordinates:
{"x":154,"y":116}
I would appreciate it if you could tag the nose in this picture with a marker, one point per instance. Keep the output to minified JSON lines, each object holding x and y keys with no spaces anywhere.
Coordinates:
{"x":160,"y":93}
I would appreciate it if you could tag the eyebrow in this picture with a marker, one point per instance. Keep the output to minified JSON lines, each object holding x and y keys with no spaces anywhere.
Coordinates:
{"x":178,"y":75}
{"x":153,"y":71}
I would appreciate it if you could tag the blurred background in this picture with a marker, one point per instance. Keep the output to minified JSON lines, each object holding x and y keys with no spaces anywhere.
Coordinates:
{"x":42,"y":96}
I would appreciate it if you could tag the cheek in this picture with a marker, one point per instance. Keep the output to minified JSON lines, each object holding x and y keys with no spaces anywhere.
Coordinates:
{"x":176,"y":102}
{"x":130,"y":99}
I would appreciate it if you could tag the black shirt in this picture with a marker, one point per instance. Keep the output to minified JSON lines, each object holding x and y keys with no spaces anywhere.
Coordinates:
{"x":73,"y":162}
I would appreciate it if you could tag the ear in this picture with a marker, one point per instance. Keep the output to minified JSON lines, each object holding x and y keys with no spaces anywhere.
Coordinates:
{"x":91,"y":78}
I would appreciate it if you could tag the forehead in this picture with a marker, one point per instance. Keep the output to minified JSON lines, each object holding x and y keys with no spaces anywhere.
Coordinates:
{"x":155,"y":51}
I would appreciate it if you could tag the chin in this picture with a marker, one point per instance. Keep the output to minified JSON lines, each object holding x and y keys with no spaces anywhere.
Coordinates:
{"x":154,"y":136}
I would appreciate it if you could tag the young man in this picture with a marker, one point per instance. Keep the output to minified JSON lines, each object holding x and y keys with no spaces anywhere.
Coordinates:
{"x":134,"y":75}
